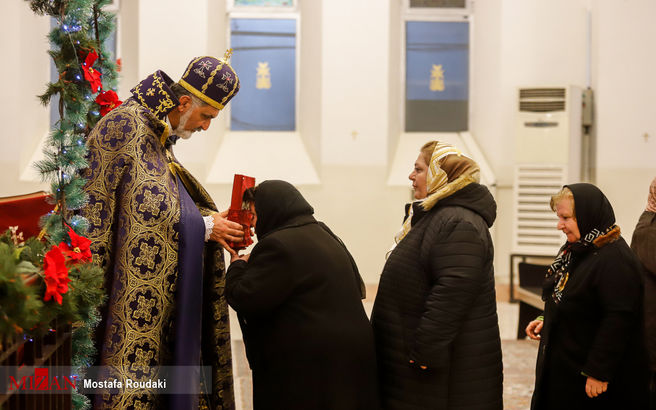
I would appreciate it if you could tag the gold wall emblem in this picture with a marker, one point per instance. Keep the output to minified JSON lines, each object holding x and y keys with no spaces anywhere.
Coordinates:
{"x":263,"y":76}
{"x":437,"y":78}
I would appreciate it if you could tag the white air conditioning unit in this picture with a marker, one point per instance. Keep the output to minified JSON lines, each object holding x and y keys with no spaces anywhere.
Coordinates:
{"x":547,"y":156}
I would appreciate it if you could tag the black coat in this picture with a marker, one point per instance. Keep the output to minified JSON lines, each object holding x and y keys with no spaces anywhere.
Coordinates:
{"x":596,"y":328}
{"x":643,"y":244}
{"x":307,"y":336}
{"x":436,"y":306}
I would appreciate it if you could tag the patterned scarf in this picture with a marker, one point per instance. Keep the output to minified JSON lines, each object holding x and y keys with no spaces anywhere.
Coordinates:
{"x":651,"y":200}
{"x":559,"y":271}
{"x":449,"y":171}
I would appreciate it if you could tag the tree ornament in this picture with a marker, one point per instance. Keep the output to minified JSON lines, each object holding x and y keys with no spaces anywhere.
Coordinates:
{"x":91,"y":75}
{"x":108,"y":100}
{"x":55,"y":275}
{"x":79,"y":249}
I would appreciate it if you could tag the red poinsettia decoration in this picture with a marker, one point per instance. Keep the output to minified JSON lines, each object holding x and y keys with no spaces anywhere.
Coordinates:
{"x":91,"y":75}
{"x":79,"y":250}
{"x":56,"y":275}
{"x":108,"y":100}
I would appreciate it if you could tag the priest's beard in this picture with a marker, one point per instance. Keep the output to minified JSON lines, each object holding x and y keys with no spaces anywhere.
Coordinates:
{"x":180,"y":130}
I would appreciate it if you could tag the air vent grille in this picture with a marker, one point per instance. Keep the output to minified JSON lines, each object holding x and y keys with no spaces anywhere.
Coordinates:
{"x":542,"y":99}
{"x":451,"y":4}
{"x":542,"y":93}
{"x":541,"y":106}
{"x":535,"y":223}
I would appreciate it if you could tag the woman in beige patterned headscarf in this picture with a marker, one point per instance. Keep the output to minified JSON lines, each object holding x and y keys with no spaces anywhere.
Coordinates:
{"x":440,"y":170}
{"x":643,"y":244}
{"x":434,"y":317}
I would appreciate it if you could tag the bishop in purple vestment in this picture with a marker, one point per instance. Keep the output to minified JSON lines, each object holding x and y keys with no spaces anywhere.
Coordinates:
{"x":159,"y":237}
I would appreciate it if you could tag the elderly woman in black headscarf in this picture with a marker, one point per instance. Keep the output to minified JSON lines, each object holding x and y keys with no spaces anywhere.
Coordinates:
{"x":307,"y":336}
{"x":592,"y":353}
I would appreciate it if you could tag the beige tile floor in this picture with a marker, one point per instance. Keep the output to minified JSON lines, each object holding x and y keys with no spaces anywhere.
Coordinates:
{"x":518,"y":359}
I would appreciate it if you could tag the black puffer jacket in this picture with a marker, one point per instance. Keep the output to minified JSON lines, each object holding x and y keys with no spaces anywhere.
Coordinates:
{"x":644,"y":244}
{"x":436,"y":306}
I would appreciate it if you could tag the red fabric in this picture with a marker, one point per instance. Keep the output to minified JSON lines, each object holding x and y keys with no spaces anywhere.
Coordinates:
{"x":24,"y":211}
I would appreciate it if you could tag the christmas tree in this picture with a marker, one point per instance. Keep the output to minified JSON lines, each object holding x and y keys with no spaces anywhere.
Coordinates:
{"x":85,"y":72}
{"x":68,"y":286}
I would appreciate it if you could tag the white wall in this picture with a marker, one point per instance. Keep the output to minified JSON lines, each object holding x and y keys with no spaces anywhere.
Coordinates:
{"x":25,"y":72}
{"x":623,"y":78}
{"x":171,"y":34}
{"x":351,"y":97}
{"x":355,"y":78}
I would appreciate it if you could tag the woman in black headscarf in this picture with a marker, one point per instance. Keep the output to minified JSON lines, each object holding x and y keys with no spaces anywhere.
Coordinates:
{"x":592,"y":353}
{"x":308,"y":339}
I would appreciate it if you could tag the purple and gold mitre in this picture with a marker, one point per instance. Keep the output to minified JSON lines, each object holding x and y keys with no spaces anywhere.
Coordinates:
{"x":212,"y":80}
{"x":154,"y":93}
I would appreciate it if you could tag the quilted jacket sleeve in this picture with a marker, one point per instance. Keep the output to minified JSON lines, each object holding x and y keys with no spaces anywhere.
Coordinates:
{"x":455,"y":254}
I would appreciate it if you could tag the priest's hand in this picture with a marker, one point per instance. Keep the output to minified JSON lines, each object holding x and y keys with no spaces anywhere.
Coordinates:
{"x":225,"y":230}
{"x":594,"y":387}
